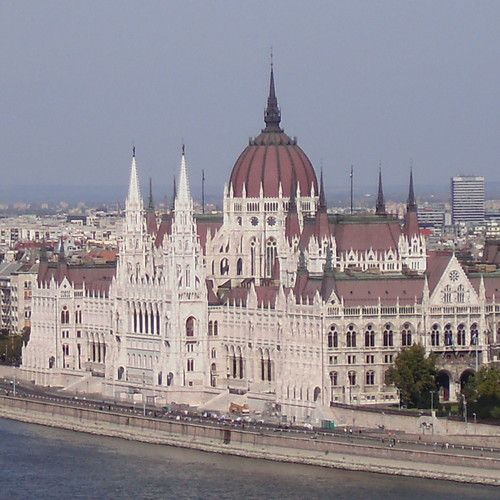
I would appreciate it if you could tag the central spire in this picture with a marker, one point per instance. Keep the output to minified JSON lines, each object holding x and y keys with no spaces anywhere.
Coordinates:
{"x":272,"y":115}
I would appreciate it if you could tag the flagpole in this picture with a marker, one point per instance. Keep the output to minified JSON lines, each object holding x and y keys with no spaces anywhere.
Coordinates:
{"x":203,"y":191}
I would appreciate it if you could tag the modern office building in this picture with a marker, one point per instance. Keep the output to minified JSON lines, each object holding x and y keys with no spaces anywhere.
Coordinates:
{"x":467,"y":199}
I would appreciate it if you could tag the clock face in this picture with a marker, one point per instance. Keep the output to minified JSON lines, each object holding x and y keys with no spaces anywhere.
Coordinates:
{"x":254,"y":221}
{"x":453,"y":275}
{"x":271,"y":221}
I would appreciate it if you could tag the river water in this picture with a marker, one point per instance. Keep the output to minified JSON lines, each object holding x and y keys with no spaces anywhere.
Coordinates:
{"x":39,"y":462}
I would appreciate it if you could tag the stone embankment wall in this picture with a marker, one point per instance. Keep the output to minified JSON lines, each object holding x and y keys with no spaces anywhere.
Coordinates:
{"x":255,"y":444}
{"x":358,"y":417}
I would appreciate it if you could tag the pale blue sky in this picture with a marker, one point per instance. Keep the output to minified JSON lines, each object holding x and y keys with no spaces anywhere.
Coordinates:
{"x":358,"y":82}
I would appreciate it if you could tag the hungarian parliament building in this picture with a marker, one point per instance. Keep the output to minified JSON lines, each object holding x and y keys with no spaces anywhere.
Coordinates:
{"x":276,"y":302}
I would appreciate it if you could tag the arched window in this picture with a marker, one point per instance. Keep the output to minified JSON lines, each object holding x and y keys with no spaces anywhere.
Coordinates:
{"x":369,"y":336}
{"x":333,"y":340}
{"x":460,"y":293}
{"x":388,"y":335}
{"x":216,"y":328}
{"x":352,"y":377}
{"x":271,"y":255}
{"x":210,"y":327}
{"x":317,"y":392}
{"x":224,"y":267}
{"x":474,"y":334}
{"x":252,"y":257}
{"x":406,"y":339}
{"x":370,"y":378}
{"x":448,"y":334}
{"x":447,"y":294}
{"x":239,"y":267}
{"x":190,"y":327}
{"x":334,"y":379}
{"x":121,"y":371}
{"x":435,"y":334}
{"x":65,"y":315}
{"x":461,"y":334}
{"x":351,"y":336}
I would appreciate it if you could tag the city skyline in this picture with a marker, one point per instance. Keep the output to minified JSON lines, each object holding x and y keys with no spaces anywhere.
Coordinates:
{"x":393,"y":84}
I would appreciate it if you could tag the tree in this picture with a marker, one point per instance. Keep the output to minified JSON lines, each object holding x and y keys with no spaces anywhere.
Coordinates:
{"x":414,"y":375}
{"x":483,"y":392}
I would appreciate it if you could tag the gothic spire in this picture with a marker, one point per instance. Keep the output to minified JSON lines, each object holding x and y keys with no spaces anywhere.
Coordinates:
{"x":151,"y":205}
{"x":134,"y":199}
{"x":322,"y":197}
{"x":174,"y":196}
{"x":411,"y":205}
{"x":183,"y":197}
{"x":380,"y":206}
{"x":272,"y":115}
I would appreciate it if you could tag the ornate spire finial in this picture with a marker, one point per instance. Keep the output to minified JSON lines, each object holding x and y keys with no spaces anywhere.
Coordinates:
{"x":380,"y":206}
{"x":272,"y":115}
{"x":411,"y":205}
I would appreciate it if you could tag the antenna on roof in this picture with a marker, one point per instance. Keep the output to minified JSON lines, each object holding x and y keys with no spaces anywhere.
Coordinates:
{"x":351,"y":176}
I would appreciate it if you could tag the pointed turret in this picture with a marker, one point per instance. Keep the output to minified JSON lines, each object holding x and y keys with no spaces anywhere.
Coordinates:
{"x":322,"y":197}
{"x":292,"y":224}
{"x":380,"y":206}
{"x":272,"y":115}
{"x":134,"y":198}
{"x":183,"y":199}
{"x":411,"y":219}
{"x":151,"y":214}
{"x":322,"y":225}
{"x":411,"y":205}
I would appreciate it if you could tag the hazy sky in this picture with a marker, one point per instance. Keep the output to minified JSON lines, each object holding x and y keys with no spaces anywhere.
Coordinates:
{"x":358,"y":82}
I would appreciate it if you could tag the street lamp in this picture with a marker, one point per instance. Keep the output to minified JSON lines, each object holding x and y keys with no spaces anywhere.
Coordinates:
{"x":432,"y":402}
{"x":475,"y":421}
{"x":144,"y":393}
{"x":465,"y":410}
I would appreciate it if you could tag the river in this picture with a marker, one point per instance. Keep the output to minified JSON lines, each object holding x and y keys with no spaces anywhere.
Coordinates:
{"x":39,"y":462}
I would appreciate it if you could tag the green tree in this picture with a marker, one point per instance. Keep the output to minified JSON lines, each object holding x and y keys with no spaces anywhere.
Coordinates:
{"x":414,"y":375}
{"x":483,"y":393}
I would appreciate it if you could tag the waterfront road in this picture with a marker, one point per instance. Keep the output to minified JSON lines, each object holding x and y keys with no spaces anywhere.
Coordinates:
{"x":366,"y":437}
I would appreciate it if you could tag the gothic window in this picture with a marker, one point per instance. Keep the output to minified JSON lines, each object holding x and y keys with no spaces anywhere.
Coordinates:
{"x":78,"y":316}
{"x":474,"y":334}
{"x":210,"y":327}
{"x":188,"y":276}
{"x":461,"y":334}
{"x":370,"y":378}
{"x":135,"y":321}
{"x":351,"y":336}
{"x":239,"y":267}
{"x":447,"y":294}
{"x":190,"y":327}
{"x":352,"y":377}
{"x":224,"y":267}
{"x":448,"y":334}
{"x":369,"y":336}
{"x":460,"y":293}
{"x":271,"y":254}
{"x":216,"y":328}
{"x":388,"y":335}
{"x":435,"y":334}
{"x":334,"y":379}
{"x":252,"y":257}
{"x":65,"y":315}
{"x":213,"y":353}
{"x":406,"y":339}
{"x":190,"y":365}
{"x":333,"y":340}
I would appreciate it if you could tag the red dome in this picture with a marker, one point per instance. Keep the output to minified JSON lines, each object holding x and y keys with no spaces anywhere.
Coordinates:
{"x":273,"y":158}
{"x":270,"y":159}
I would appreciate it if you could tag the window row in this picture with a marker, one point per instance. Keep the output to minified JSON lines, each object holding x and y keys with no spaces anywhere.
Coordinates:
{"x":370,"y":336}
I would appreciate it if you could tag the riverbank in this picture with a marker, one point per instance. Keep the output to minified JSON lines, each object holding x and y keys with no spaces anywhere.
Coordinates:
{"x":309,"y":449}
